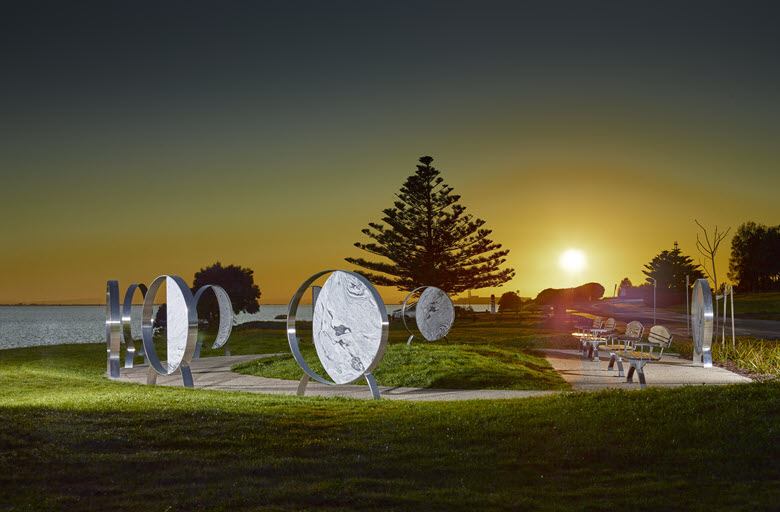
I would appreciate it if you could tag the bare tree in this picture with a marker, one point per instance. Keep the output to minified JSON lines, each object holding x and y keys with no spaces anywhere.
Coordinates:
{"x":708,"y":249}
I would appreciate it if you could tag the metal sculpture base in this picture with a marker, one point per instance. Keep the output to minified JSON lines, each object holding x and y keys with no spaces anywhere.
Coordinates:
{"x":186,"y":376}
{"x":369,"y":379}
{"x":706,"y":359}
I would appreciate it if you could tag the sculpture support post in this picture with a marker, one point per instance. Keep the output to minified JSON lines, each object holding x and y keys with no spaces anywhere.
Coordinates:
{"x":113,"y":328}
{"x":702,"y":320}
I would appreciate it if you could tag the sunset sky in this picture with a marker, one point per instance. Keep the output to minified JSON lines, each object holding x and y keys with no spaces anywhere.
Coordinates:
{"x":148,"y":138}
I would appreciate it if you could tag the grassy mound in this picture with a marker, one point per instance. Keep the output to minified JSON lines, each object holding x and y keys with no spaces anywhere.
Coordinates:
{"x":425,"y":365}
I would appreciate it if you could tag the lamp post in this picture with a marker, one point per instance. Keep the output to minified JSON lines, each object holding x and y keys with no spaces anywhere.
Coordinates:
{"x":654,"y":285}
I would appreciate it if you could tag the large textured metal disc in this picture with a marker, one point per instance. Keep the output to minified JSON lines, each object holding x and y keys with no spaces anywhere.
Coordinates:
{"x":347,"y":328}
{"x":701,"y":311}
{"x":434,"y":314}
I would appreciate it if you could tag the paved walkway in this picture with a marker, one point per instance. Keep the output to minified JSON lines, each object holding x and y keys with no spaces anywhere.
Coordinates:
{"x":670,"y":371}
{"x":583,"y":375}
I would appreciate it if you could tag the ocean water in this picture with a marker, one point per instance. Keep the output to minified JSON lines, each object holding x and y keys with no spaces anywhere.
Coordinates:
{"x":29,"y":326}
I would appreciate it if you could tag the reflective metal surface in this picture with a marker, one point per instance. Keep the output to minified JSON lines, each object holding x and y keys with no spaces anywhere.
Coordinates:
{"x":702,"y":322}
{"x":113,"y":328}
{"x":127,"y":334}
{"x":225,"y":316}
{"x":332,"y":313}
{"x":434,"y":313}
{"x":182,"y":329}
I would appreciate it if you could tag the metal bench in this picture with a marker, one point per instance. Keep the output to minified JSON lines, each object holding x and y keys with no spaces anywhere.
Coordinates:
{"x":626,"y":341}
{"x":584,"y":330}
{"x":645,"y":352}
{"x":598,"y":335}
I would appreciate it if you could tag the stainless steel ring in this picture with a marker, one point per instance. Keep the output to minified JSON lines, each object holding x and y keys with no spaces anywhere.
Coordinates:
{"x":181,"y":342}
{"x":113,"y":328}
{"x":403,"y":313}
{"x":293,"y":341}
{"x":703,"y":319}
{"x":225,"y":313}
{"x":127,"y":313}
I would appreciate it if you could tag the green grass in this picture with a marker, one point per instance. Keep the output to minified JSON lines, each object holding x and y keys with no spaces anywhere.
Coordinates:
{"x":426,"y":365}
{"x":72,"y":440}
{"x":753,"y":354}
{"x":759,"y":306}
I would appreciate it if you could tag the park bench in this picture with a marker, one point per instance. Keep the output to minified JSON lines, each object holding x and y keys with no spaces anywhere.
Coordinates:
{"x":584,"y":329}
{"x":617,"y":342}
{"x":645,"y":352}
{"x":596,"y":336}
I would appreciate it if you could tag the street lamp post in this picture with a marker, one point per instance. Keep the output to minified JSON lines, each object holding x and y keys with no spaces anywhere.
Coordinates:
{"x":654,"y":285}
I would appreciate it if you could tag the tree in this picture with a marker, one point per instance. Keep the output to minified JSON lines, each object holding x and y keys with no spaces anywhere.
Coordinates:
{"x":509,"y":301}
{"x":670,"y":268}
{"x":709,"y":248}
{"x":238,"y":282}
{"x":624,"y":284}
{"x":754,"y":264}
{"x":427,"y":239}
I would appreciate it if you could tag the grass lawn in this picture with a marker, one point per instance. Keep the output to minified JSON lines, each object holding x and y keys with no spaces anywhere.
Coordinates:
{"x":759,"y":306}
{"x":70,"y":439}
{"x":479,"y":355}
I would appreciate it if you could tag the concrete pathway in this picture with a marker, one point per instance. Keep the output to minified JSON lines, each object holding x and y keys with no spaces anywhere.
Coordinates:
{"x":670,"y":371}
{"x":582,"y":374}
{"x":214,"y":373}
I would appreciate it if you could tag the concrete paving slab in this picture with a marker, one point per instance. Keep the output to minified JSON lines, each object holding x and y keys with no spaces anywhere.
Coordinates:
{"x":671,"y":371}
{"x":214,"y":373}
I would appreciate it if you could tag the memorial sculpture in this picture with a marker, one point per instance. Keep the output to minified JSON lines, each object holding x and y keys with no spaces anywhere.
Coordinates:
{"x":181,"y":329}
{"x":349,"y":329}
{"x":225,"y":317}
{"x":182,"y":326}
{"x":113,"y":329}
{"x":127,"y":335}
{"x":434,"y":313}
{"x":702,"y":313}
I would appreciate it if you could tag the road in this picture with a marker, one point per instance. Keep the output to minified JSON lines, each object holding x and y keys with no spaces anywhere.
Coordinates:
{"x":625,"y":311}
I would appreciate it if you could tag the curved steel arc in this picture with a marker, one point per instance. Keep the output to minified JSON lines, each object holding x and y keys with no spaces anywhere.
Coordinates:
{"x":403,"y":312}
{"x":191,"y":335}
{"x":292,"y":337}
{"x":703,"y":319}
{"x":113,"y":328}
{"x":127,"y":308}
{"x":225,"y":314}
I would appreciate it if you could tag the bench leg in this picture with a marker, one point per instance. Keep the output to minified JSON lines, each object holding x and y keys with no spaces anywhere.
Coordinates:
{"x":611,"y":365}
{"x":641,"y":374}
{"x":595,"y":351}
{"x":630,"y":376}
{"x":620,"y":367}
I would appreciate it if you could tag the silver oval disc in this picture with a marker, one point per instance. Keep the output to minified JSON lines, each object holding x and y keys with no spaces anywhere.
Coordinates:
{"x":703,"y":316}
{"x":434,"y":314}
{"x":347,"y":328}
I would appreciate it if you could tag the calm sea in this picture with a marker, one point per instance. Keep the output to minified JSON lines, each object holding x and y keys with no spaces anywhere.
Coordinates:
{"x":29,"y":326}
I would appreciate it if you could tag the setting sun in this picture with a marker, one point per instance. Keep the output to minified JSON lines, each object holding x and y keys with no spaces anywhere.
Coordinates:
{"x":572,"y":260}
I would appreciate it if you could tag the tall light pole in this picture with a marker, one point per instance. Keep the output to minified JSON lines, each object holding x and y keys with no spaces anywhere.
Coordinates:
{"x":654,"y":285}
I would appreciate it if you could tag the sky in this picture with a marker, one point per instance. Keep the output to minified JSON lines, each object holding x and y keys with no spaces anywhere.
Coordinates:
{"x":148,"y":138}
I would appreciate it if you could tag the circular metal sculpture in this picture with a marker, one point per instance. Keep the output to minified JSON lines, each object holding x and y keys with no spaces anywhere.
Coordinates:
{"x":113,"y":328}
{"x":434,"y":313}
{"x":702,"y":320}
{"x":225,"y":317}
{"x":182,"y":329}
{"x":127,"y":308}
{"x":349,"y":329}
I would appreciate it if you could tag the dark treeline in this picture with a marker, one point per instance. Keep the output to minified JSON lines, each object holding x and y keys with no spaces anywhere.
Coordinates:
{"x":754,"y":265}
